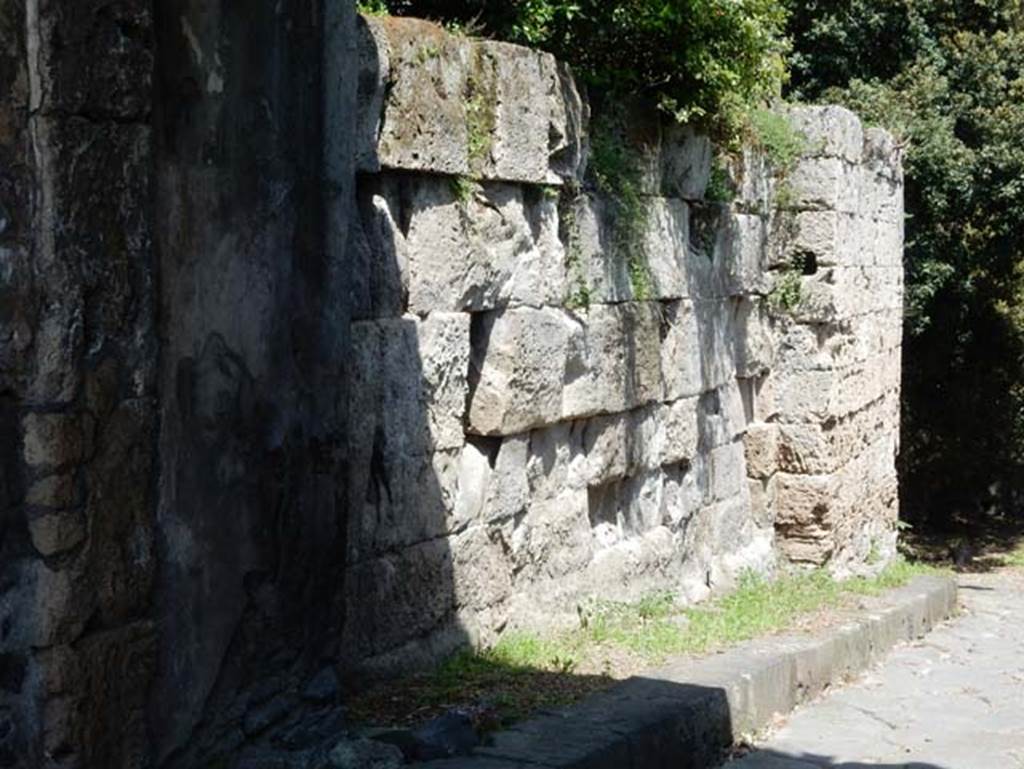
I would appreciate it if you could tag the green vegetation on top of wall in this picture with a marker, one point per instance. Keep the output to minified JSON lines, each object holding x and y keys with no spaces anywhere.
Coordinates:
{"x":706,"y":61}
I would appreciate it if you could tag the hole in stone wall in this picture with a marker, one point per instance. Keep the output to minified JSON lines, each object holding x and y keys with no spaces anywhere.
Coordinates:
{"x":806,"y":262}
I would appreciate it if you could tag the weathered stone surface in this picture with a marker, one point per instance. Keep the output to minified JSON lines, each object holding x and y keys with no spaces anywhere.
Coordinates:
{"x":829,"y":131}
{"x":618,"y":365}
{"x":457,"y":106}
{"x":686,"y":158}
{"x":410,"y":381}
{"x":828,"y":183}
{"x":522,"y":360}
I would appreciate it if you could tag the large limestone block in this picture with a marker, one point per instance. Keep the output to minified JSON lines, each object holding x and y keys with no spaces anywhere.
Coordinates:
{"x":387,"y":600}
{"x":553,"y":539}
{"x":409,"y":381}
{"x":680,"y":351}
{"x":755,"y":340}
{"x":829,"y":237}
{"x":829,"y":131}
{"x":805,"y":504}
{"x":665,"y":248}
{"x":648,"y":438}
{"x":728,"y":471}
{"x":827,"y":183}
{"x":522,"y":360}
{"x":399,"y":500}
{"x":482,"y":567}
{"x":716,"y":337}
{"x":595,"y":264}
{"x":625,"y":508}
{"x":686,"y":158}
{"x":743,"y":255}
{"x":761,"y":447}
{"x":881,"y":197}
{"x":499,"y":247}
{"x":600,"y":257}
{"x":447,"y":104}
{"x":618,"y":366}
{"x":882,"y":154}
{"x":495,"y":246}
{"x":556,"y":460}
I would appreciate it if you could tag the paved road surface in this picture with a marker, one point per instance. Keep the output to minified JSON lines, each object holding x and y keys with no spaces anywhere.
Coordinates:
{"x":954,"y":700}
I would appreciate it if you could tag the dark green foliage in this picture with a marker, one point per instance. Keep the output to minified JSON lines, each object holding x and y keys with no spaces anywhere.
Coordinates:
{"x":947,"y":76}
{"x":699,"y":60}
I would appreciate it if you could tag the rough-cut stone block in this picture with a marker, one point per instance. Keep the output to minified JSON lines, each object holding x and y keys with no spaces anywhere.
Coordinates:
{"x":399,"y":500}
{"x":716,"y":338}
{"x":618,"y":365}
{"x":409,"y":381}
{"x":680,"y":351}
{"x":686,"y":158}
{"x":830,"y":237}
{"x":761,"y":446}
{"x":665,"y":248}
{"x":882,"y":154}
{"x":57,"y":532}
{"x":755,"y":343}
{"x":377,"y":246}
{"x":805,"y":503}
{"x":482,"y":568}
{"x":457,"y":106}
{"x":728,"y":471}
{"x":743,"y":255}
{"x":679,"y":430}
{"x":825,"y":183}
{"x":829,"y":131}
{"x":881,"y":198}
{"x":554,"y":538}
{"x":498,"y":247}
{"x":53,"y":441}
{"x":522,"y":360}
{"x":599,"y":251}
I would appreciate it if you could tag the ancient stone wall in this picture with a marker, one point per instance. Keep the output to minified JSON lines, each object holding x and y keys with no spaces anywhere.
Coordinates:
{"x":537,"y":418}
{"x":265,"y":425}
{"x":77,"y":383}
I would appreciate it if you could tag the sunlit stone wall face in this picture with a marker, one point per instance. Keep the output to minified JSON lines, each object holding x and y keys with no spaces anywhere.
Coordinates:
{"x":535,"y":418}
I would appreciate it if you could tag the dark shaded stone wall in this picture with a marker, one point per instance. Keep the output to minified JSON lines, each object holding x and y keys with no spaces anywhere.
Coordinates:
{"x":77,"y":383}
{"x":173,"y":335}
{"x":254,"y":331}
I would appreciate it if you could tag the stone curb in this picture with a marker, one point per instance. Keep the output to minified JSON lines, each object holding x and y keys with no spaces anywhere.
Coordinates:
{"x":686,"y":714}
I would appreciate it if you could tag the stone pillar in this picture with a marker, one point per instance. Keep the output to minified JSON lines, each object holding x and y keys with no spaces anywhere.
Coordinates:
{"x":253,"y":324}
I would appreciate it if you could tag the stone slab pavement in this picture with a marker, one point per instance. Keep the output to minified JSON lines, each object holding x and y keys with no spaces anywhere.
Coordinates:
{"x":953,"y":700}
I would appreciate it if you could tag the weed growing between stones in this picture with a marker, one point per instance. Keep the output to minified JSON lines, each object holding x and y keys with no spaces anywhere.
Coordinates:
{"x":578,"y":297}
{"x":783,"y":145}
{"x":480,"y":109}
{"x":462,"y":188}
{"x":617,"y":170}
{"x":720,"y":188}
{"x":787,"y":293}
{"x":524,"y":672}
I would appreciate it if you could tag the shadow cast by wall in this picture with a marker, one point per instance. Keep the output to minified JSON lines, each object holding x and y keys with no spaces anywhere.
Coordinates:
{"x":770,"y":759}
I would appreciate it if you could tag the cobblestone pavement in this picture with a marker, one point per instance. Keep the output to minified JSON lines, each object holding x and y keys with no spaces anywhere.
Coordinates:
{"x":953,"y":700}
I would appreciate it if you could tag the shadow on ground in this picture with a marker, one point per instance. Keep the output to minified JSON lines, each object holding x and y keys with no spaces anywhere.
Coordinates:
{"x":770,"y":759}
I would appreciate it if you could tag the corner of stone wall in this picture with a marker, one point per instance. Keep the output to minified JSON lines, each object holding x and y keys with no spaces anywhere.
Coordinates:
{"x":821,"y":452}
